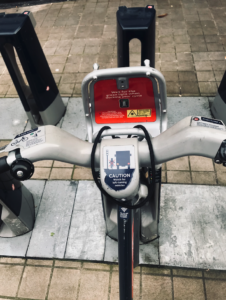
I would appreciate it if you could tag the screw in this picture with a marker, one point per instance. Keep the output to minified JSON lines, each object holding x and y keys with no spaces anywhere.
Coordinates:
{"x":20,"y":173}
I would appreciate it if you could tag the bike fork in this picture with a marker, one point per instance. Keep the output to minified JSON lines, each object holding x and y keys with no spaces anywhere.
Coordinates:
{"x":128,"y":249}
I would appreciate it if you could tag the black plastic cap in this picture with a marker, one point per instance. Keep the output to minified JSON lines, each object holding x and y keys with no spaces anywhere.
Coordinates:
{"x":3,"y":164}
{"x":136,"y":17}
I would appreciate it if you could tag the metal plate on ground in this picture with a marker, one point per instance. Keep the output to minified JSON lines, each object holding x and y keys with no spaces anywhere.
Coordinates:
{"x":179,"y":108}
{"x":13,"y":118}
{"x":65,"y":101}
{"x":149,"y":253}
{"x":50,"y":233}
{"x":74,"y":120}
{"x":86,"y":238}
{"x":192,"y":226}
{"x":111,"y":250}
{"x":17,"y":246}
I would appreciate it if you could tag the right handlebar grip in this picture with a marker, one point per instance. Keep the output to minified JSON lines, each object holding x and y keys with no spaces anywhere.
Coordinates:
{"x":4,"y":165}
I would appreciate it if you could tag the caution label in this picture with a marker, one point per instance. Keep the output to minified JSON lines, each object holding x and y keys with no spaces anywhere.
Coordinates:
{"x":119,"y":166}
{"x":139,"y":113}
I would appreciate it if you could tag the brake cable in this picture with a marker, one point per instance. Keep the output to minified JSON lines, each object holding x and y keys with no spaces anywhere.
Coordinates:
{"x":151,"y":186}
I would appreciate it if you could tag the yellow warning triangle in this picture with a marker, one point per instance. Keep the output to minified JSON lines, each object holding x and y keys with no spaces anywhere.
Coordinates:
{"x":132,"y":113}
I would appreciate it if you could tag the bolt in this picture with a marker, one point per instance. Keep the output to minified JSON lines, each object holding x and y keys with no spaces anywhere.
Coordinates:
{"x":20,"y":173}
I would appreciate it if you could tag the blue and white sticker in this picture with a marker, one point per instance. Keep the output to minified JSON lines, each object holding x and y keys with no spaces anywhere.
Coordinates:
{"x":27,"y":139}
{"x":207,"y":122}
{"x":119,"y":166}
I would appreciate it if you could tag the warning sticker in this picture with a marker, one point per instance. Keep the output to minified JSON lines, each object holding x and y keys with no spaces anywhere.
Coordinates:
{"x":138,"y":113}
{"x":27,"y":139}
{"x":111,"y":114}
{"x":119,"y":166}
{"x":133,"y":105}
{"x":207,"y":122}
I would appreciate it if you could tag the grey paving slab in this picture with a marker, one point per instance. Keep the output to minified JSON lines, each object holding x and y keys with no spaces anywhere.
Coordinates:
{"x":87,"y":232}
{"x":50,"y":233}
{"x":192,"y":226}
{"x":74,"y":119}
{"x":181,"y":107}
{"x":149,"y":253}
{"x":111,"y":250}
{"x":13,"y":118}
{"x":17,"y":246}
{"x":65,"y":101}
{"x":211,"y":99}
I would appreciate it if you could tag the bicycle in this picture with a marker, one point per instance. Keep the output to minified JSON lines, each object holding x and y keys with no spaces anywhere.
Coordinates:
{"x":184,"y":138}
{"x":126,"y":170}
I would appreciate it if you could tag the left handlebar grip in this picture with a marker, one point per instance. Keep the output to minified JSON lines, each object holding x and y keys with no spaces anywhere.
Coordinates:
{"x":4,"y":165}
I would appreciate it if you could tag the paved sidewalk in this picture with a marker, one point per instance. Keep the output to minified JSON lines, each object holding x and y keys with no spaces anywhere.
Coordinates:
{"x":190,"y":43}
{"x":75,"y":280}
{"x":190,"y":52}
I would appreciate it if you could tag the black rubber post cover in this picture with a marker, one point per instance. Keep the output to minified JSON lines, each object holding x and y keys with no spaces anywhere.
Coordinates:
{"x":3,"y":164}
{"x":136,"y":23}
{"x":17,"y":35}
{"x":222,"y":88}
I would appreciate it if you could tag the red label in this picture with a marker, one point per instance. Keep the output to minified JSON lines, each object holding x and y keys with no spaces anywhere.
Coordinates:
{"x":141,"y":102}
{"x":196,"y":119}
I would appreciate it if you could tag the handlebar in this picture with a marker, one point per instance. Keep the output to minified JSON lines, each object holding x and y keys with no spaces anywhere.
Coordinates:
{"x":183,"y":139}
